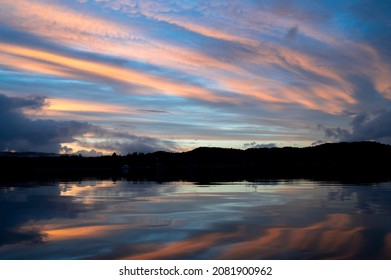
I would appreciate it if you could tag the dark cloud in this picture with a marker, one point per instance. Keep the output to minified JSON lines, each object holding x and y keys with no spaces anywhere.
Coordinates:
{"x":90,"y":153}
{"x":84,"y":153}
{"x":66,"y":150}
{"x":19,"y":133}
{"x":254,"y":145}
{"x":127,"y":143}
{"x":336,"y":133}
{"x":146,"y":145}
{"x":15,"y":104}
{"x":249,"y":145}
{"x":292,"y":33}
{"x":154,"y":111}
{"x":367,"y":126}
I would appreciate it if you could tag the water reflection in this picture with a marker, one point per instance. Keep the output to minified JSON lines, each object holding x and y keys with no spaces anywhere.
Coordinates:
{"x":184,"y":220}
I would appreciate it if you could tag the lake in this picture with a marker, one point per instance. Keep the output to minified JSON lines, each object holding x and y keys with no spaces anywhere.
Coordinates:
{"x":105,"y":219}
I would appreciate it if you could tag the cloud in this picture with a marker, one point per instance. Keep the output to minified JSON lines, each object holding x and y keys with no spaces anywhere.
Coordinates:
{"x":254,"y":145}
{"x":126,"y":143}
{"x":20,"y":133}
{"x":292,"y":33}
{"x":90,"y":153}
{"x":249,"y":145}
{"x":366,"y":126}
{"x":59,"y":19}
{"x":66,"y":150}
{"x":212,"y":54}
{"x":85,"y":153}
{"x":70,"y":66}
{"x":207,"y":51}
{"x":8,"y":104}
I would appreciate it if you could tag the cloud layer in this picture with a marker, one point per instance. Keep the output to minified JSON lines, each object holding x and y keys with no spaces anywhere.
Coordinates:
{"x":222,"y":72}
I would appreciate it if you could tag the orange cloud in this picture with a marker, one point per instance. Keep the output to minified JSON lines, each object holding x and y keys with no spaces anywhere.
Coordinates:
{"x":102,"y":35}
{"x":377,"y":69}
{"x":71,"y":105}
{"x":330,"y":97}
{"x":115,"y":73}
{"x":28,"y":65}
{"x":55,"y":20}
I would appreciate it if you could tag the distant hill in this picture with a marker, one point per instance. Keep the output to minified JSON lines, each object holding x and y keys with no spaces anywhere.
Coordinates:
{"x":355,"y":161}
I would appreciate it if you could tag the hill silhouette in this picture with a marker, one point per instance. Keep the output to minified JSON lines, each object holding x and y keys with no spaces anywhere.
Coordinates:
{"x":356,"y":161}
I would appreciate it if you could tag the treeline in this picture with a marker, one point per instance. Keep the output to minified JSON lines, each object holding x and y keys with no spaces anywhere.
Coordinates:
{"x":359,"y":161}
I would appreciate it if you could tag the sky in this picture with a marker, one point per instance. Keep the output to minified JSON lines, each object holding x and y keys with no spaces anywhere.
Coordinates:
{"x":94,"y":77}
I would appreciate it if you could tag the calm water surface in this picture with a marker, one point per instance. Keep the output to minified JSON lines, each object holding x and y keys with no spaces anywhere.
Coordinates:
{"x":183,"y":220}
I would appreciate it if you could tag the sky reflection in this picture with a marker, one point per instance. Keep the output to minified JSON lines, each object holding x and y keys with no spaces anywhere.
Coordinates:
{"x":184,"y":220}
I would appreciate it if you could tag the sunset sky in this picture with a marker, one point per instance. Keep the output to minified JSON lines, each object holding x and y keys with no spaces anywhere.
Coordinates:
{"x":128,"y":76}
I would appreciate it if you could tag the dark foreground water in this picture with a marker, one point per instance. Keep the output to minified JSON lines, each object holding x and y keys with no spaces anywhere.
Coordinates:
{"x":182,"y":220}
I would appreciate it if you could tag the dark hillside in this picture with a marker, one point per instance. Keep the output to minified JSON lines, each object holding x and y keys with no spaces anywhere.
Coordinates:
{"x":338,"y":161}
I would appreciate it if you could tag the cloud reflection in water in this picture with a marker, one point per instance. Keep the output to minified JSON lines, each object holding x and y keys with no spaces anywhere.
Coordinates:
{"x":181,"y":220}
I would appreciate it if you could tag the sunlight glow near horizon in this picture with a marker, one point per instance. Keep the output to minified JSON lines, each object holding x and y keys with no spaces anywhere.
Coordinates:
{"x":140,"y":76}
